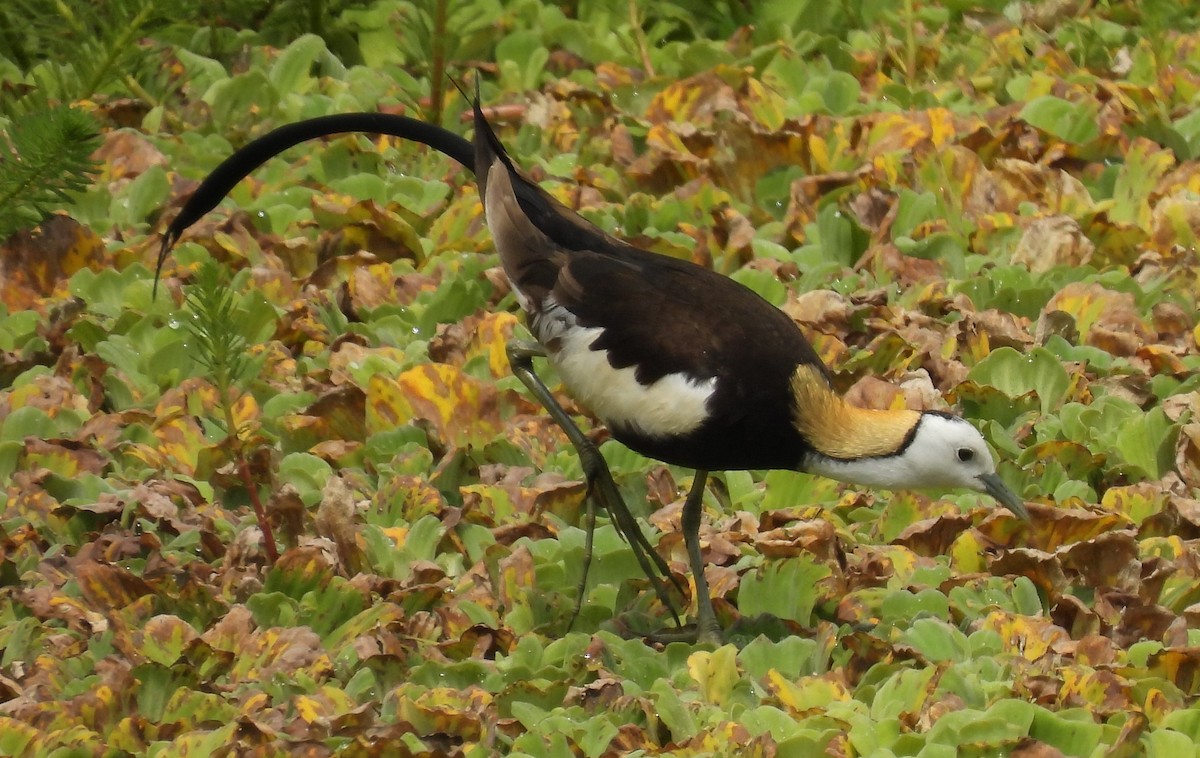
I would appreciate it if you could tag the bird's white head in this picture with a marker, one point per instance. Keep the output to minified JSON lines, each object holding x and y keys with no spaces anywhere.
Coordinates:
{"x":940,"y":452}
{"x":946,"y":451}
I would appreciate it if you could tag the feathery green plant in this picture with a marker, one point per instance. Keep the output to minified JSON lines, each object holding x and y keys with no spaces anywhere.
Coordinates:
{"x":221,"y":351}
{"x":72,"y":50}
{"x":46,"y":157}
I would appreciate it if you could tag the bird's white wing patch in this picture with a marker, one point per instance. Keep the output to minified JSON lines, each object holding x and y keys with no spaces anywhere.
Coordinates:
{"x":674,"y":404}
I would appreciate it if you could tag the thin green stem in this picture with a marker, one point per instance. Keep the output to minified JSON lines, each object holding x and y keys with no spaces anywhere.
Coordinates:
{"x":438,"y":49}
{"x":910,"y":42}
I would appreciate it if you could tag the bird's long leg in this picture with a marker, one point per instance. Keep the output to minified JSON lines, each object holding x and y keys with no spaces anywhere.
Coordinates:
{"x":707,"y":628}
{"x":601,"y":486}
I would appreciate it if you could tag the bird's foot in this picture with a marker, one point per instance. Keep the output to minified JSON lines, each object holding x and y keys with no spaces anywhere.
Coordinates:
{"x":690,"y":633}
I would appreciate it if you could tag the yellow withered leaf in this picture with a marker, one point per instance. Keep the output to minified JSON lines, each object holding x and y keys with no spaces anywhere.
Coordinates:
{"x":1101,"y":691}
{"x":517,"y":577}
{"x":1094,"y":305}
{"x":484,"y":334}
{"x":808,"y":693}
{"x":34,"y":263}
{"x":1026,"y":636}
{"x":64,"y":457}
{"x":764,"y":104}
{"x":462,"y":410}
{"x":1157,"y":705}
{"x":180,"y":437}
{"x":696,"y":99}
{"x":716,"y":673}
{"x":308,"y":709}
{"x":1136,"y":501}
{"x":966,"y":553}
{"x":443,"y":710}
{"x":494,"y":334}
{"x":935,"y":127}
{"x":1180,"y":666}
{"x":365,"y":225}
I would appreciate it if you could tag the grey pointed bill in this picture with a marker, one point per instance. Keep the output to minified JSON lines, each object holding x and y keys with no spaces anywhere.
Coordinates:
{"x":994,"y":486}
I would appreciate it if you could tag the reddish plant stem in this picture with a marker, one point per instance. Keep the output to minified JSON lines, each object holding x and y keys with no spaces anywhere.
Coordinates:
{"x":259,"y":511}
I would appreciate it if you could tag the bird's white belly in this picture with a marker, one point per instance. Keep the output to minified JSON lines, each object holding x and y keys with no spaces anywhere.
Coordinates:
{"x":672,"y":405}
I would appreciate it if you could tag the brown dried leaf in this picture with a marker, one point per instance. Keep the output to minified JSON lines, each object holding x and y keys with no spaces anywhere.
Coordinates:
{"x":934,"y":536}
{"x":126,"y":154}
{"x":109,"y":588}
{"x":872,"y":392}
{"x":1187,"y":456}
{"x":1107,"y":561}
{"x":816,"y":538}
{"x":1055,"y":527}
{"x":1080,"y":621}
{"x":336,"y":519}
{"x":1053,"y":241}
{"x":1043,"y":569}
{"x":1150,"y":622}
{"x":821,"y":310}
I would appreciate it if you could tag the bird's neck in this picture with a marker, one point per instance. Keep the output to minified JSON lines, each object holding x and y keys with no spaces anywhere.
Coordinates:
{"x":891,"y":472}
{"x":840,"y":432}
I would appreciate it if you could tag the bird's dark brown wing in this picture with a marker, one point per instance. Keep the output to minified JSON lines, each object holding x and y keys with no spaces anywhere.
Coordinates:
{"x":658,"y":316}
{"x":664,"y":317}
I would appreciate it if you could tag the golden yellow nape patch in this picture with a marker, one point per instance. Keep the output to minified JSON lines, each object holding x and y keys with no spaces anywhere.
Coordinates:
{"x":839,"y":430}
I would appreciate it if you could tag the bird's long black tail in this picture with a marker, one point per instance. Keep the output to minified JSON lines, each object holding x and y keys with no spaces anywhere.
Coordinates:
{"x":244,"y":161}
{"x":561,"y":224}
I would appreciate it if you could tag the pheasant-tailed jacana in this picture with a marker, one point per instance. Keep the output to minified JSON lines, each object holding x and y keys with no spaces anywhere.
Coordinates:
{"x":681,"y":363}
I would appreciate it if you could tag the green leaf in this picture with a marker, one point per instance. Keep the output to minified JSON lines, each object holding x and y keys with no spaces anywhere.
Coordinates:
{"x":673,"y":713}
{"x":784,"y":588}
{"x":841,"y":92}
{"x":201,"y":73}
{"x":236,"y":101}
{"x":1166,"y":743}
{"x":1026,"y":598}
{"x":905,"y":692}
{"x":792,"y":657}
{"x":1073,"y":736}
{"x":937,"y":640}
{"x":1015,"y":374}
{"x":145,"y":195}
{"x":1148,"y":442}
{"x":307,"y":473}
{"x":27,"y":422}
{"x":290,"y":72}
{"x":1071,"y":122}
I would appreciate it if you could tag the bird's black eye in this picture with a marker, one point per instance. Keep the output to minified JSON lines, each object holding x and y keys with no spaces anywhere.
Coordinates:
{"x":966,"y":454}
